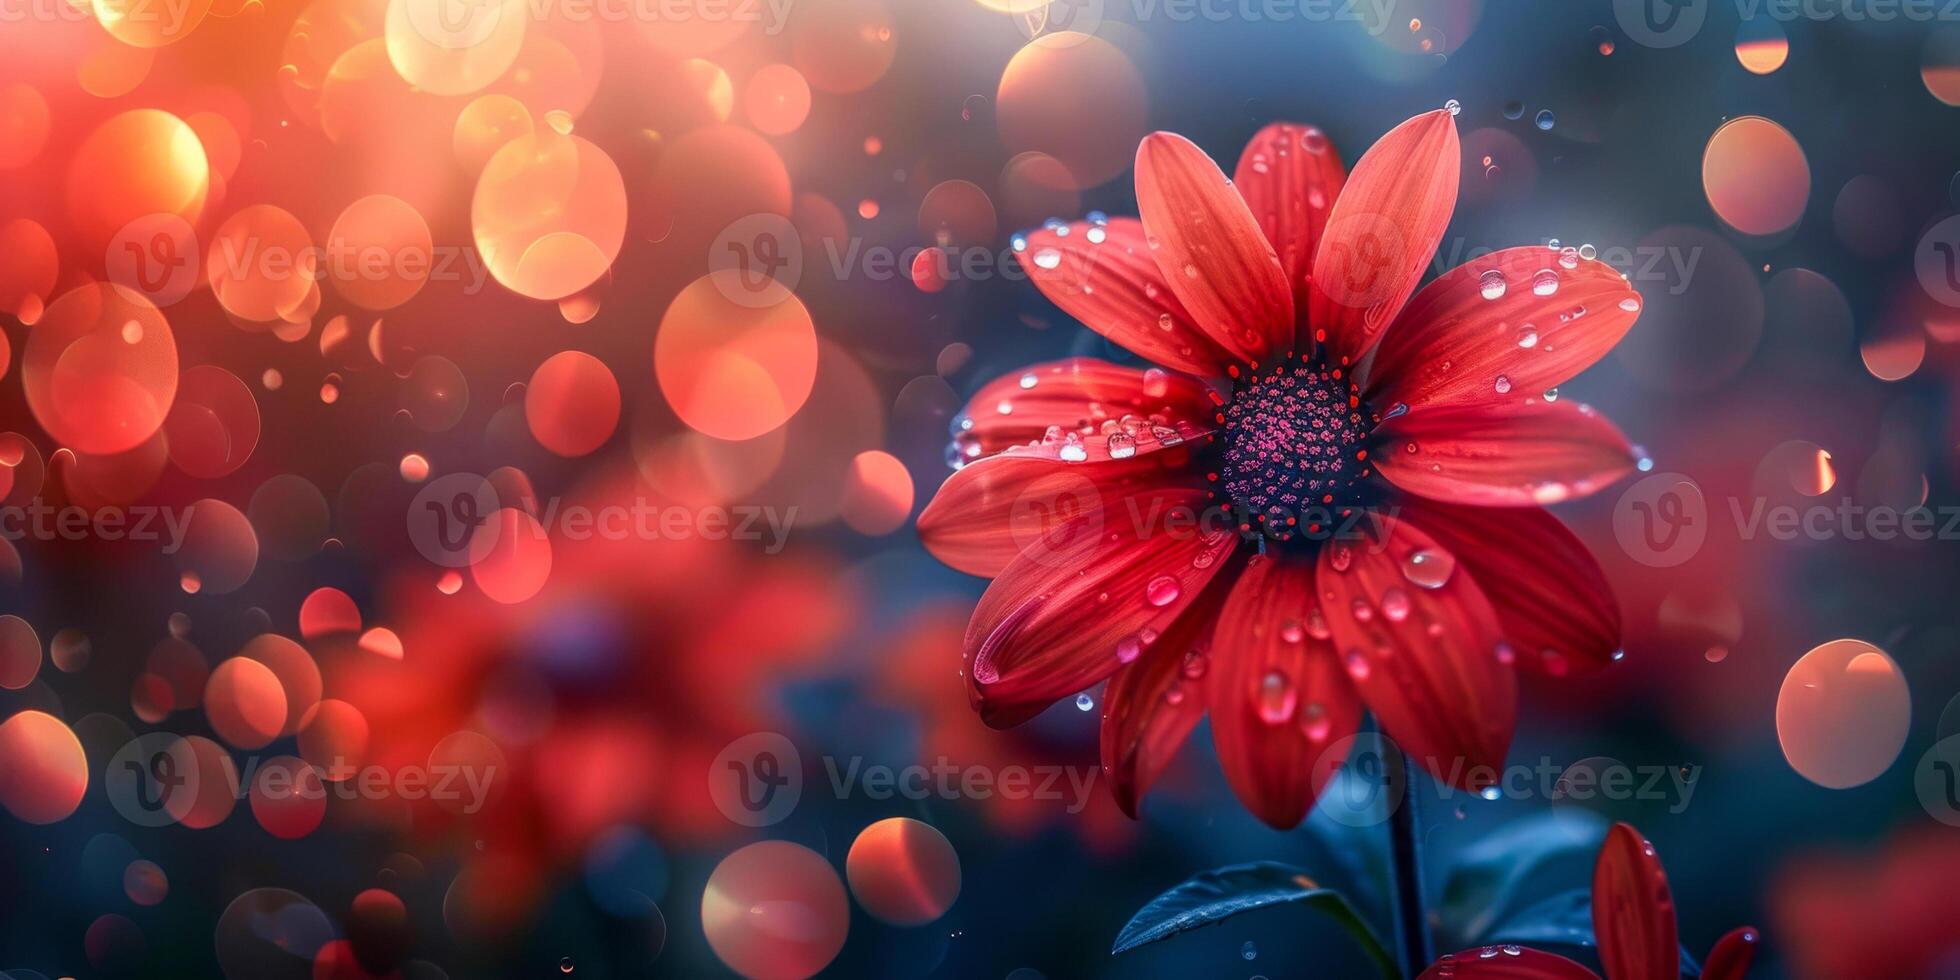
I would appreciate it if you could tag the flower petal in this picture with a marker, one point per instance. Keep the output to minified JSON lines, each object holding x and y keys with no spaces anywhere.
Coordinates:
{"x":1506,"y":963}
{"x":1541,"y":325}
{"x":1289,"y":176}
{"x":1382,"y":232}
{"x":1279,"y":696}
{"x":1512,"y":455}
{"x":1151,"y":705}
{"x":1633,"y":911}
{"x":1113,"y":286}
{"x":1059,"y":619}
{"x":992,"y":509}
{"x":1078,"y":394}
{"x":1426,"y":660}
{"x":1733,"y":953}
{"x":1210,"y":250}
{"x":1552,"y":601}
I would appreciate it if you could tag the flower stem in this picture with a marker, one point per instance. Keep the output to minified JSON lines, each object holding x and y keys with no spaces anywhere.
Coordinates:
{"x":1405,"y":860}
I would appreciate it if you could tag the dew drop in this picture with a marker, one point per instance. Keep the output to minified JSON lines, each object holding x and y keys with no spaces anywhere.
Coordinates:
{"x":1545,"y":120}
{"x":1028,"y":381}
{"x":1544,"y":283}
{"x":1429,"y":568}
{"x":1503,"y":385}
{"x":1276,"y":698}
{"x":1395,"y":605}
{"x":1527,"y":336}
{"x":1491,"y":284}
{"x":1083,"y":702}
{"x":1162,"y":591}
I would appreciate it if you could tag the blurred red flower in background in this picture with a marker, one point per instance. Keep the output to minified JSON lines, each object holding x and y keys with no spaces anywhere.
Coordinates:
{"x":1385,"y":452}
{"x":605,"y":698}
{"x":1853,"y":915}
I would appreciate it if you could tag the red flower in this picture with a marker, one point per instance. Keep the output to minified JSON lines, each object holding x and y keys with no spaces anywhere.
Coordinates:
{"x":1353,"y":518}
{"x":1633,"y":921}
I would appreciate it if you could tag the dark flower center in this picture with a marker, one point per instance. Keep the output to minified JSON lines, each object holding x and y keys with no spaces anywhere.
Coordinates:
{"x":1294,"y":449}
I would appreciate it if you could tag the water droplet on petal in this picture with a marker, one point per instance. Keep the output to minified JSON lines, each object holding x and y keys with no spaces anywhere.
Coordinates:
{"x":1395,"y":605}
{"x":1276,"y":698}
{"x":1162,"y":590}
{"x":1429,"y":568}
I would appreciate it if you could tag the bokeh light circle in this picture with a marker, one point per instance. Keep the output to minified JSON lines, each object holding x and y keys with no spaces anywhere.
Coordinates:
{"x":730,"y":370}
{"x":100,"y":369}
{"x":1755,"y":175}
{"x":903,"y":871}
{"x":1842,"y":713}
{"x":775,"y":911}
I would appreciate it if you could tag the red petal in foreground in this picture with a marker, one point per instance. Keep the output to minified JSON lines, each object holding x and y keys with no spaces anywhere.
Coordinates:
{"x":1017,"y":408}
{"x":1733,"y":953}
{"x":1057,"y":621}
{"x":1552,"y":601}
{"x":1105,"y":276}
{"x":998,"y":506}
{"x":1210,"y":249}
{"x":1151,"y":705}
{"x":991,"y":510}
{"x":1279,"y":696}
{"x":1633,"y":911}
{"x":1505,"y":963}
{"x":1383,"y":230}
{"x":1515,"y":455}
{"x":1289,"y":175}
{"x":1426,"y":655}
{"x":1520,"y":314}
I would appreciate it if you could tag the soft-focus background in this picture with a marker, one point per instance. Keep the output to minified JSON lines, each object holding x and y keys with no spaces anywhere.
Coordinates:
{"x":653,"y":263}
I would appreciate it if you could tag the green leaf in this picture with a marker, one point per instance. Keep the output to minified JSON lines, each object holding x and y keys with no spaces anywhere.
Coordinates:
{"x":1483,"y":885}
{"x":1215,"y":896}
